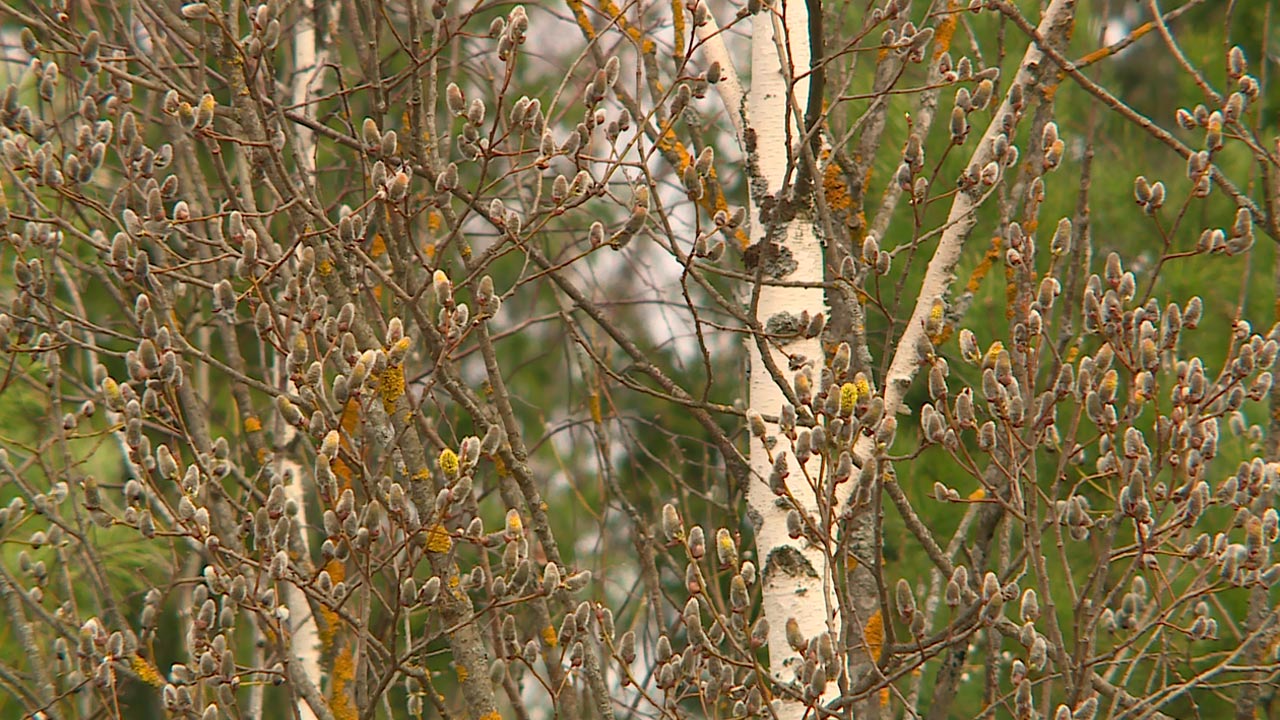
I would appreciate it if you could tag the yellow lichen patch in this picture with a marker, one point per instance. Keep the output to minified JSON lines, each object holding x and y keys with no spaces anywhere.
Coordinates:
{"x":873,"y":634}
{"x":580,"y":16}
{"x":1104,"y":52}
{"x":438,"y":540}
{"x":350,"y":417}
{"x":593,"y":402}
{"x":146,"y":671}
{"x":677,"y":27}
{"x":461,"y":670}
{"x":324,"y":267}
{"x":434,"y":220}
{"x":984,"y":267}
{"x":377,"y":246}
{"x":713,"y":200}
{"x":344,"y":671}
{"x":328,"y":627}
{"x":978,"y":494}
{"x":500,"y":466}
{"x":422,"y":475}
{"x":343,"y":471}
{"x":252,"y":424}
{"x":946,"y":30}
{"x":391,"y":386}
{"x":494,"y":715}
{"x":835,"y":190}
{"x":549,"y":637}
{"x":884,"y":697}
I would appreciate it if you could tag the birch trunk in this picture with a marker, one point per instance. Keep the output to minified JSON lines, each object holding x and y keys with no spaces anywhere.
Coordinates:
{"x":796,"y":579}
{"x":799,"y":577}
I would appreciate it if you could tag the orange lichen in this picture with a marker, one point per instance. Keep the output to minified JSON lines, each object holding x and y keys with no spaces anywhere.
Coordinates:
{"x":677,"y":27}
{"x":328,"y":627}
{"x":593,"y":402}
{"x":946,"y":29}
{"x":984,"y":267}
{"x":348,"y":422}
{"x":835,"y":189}
{"x":549,"y":637}
{"x":873,"y":634}
{"x":252,"y":424}
{"x":343,"y":700}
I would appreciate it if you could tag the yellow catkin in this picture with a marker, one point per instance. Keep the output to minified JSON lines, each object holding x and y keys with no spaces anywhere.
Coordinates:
{"x":863,"y":386}
{"x":438,"y":540}
{"x":848,"y":397}
{"x":449,"y":463}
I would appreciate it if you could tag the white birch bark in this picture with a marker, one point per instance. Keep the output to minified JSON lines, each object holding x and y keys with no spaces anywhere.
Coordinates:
{"x":307,"y":65}
{"x":796,"y":582}
{"x":940,"y":273}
